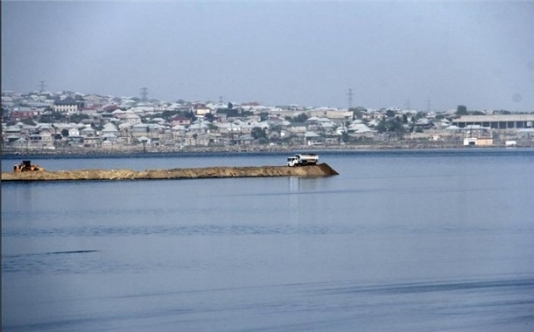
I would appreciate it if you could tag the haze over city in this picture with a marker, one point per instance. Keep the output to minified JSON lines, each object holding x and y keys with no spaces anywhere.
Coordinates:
{"x":390,"y":54}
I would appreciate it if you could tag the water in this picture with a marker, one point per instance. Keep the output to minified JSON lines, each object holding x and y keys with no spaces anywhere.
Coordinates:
{"x":399,"y":241}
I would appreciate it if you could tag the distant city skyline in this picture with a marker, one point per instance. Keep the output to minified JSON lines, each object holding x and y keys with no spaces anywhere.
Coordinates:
{"x":389,"y":54}
{"x":144,"y":92}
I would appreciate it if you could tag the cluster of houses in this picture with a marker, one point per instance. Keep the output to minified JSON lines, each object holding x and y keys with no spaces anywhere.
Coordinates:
{"x":45,"y":121}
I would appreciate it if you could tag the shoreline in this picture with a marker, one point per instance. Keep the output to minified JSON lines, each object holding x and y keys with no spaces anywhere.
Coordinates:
{"x":242,"y":149}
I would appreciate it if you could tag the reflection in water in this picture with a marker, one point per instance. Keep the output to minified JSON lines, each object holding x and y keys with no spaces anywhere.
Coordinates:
{"x":297,"y":187}
{"x":294,"y":201}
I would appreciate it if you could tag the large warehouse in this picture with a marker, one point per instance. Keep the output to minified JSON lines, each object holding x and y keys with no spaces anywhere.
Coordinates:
{"x":502,"y":121}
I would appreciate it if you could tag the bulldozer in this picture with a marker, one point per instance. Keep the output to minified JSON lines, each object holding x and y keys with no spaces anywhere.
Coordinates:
{"x":26,"y":166}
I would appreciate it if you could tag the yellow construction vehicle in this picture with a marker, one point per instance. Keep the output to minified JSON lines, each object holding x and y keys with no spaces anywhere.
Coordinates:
{"x":26,"y":166}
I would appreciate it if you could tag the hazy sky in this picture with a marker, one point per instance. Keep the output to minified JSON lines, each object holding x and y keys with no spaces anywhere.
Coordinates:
{"x":479,"y":54}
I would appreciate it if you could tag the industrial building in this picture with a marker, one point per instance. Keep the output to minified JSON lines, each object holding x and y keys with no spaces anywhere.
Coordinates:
{"x":501,"y":121}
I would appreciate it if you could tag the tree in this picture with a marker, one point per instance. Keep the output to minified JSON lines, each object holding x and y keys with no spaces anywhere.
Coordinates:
{"x":5,"y":112}
{"x":258,"y":133}
{"x":77,"y":118}
{"x":412,"y":124}
{"x":167,"y":115}
{"x":420,"y":115}
{"x":275,"y":128}
{"x":190,"y":115}
{"x":228,"y":111}
{"x":358,"y":112}
{"x":301,"y":118}
{"x":65,"y":133}
{"x":209,"y":117}
{"x":264,"y":116}
{"x":461,"y":110}
{"x":245,"y":113}
{"x":263,"y":140}
{"x":391,"y":126}
{"x":52,"y":117}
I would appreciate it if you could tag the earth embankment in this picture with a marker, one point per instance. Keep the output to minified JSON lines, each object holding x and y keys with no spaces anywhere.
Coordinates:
{"x":319,"y":170}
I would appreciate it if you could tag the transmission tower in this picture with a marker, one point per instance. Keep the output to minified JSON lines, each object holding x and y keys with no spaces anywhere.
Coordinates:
{"x":41,"y":86}
{"x":350,"y":94}
{"x":144,"y":94}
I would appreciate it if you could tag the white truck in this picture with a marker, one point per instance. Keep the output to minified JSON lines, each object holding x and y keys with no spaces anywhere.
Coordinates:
{"x":302,"y":160}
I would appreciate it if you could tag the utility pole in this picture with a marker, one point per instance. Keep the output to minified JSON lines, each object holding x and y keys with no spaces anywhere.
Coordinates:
{"x":428,"y":105}
{"x":350,"y":94}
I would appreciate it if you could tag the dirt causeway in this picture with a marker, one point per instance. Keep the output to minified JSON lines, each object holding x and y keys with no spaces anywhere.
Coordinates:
{"x":319,"y":170}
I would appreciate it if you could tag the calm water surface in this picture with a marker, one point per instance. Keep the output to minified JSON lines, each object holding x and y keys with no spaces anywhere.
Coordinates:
{"x":399,"y":241}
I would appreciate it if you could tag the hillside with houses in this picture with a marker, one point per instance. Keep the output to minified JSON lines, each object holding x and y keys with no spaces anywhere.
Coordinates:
{"x":68,"y":121}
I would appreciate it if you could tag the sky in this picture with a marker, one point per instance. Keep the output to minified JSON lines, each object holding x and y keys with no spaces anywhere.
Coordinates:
{"x":424,"y":56}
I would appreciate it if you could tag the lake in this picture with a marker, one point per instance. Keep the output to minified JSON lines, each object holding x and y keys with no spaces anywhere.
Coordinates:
{"x":399,"y":241}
